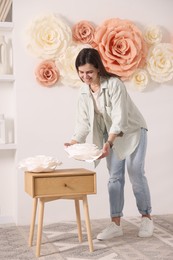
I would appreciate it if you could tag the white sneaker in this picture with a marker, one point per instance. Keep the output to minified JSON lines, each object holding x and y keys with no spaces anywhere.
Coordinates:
{"x":111,"y":231}
{"x":147,"y":227}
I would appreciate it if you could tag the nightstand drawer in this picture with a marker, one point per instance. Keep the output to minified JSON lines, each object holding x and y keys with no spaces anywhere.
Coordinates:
{"x":62,"y":182}
{"x":60,"y":186}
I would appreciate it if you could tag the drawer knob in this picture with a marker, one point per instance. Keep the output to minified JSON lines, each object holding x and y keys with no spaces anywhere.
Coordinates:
{"x":65,"y":185}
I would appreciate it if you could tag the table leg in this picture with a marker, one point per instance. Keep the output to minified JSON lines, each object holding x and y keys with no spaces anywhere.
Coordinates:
{"x":87,"y":220}
{"x":78,"y":219}
{"x":40,"y":226}
{"x":31,"y":232}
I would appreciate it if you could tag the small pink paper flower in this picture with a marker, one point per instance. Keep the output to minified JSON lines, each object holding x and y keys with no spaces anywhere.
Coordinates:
{"x":121,"y":46}
{"x":47,"y":73}
{"x":83,"y":32}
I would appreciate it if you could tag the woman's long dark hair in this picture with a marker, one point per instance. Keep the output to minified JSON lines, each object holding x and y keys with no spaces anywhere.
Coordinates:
{"x":92,"y":56}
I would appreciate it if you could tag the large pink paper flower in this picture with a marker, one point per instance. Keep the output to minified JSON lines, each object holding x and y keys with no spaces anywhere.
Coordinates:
{"x":47,"y":73}
{"x":83,"y":32}
{"x":121,"y":46}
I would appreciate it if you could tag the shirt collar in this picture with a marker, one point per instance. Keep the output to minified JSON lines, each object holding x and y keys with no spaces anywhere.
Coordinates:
{"x":103,"y":82}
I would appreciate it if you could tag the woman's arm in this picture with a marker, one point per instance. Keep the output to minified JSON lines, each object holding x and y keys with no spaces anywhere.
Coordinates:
{"x":71,"y":143}
{"x":108,"y":144}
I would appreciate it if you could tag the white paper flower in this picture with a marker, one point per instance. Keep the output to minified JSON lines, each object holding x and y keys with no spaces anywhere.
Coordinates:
{"x":84,"y":152}
{"x":39,"y":163}
{"x":66,"y":65}
{"x":49,"y":37}
{"x":153,"y":35}
{"x":160,"y":62}
{"x":140,"y":79}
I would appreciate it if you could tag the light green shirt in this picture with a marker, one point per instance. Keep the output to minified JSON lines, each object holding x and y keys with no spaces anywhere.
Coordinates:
{"x":119,"y":114}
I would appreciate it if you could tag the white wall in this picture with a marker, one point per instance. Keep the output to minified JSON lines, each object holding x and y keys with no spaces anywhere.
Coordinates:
{"x":45,"y":117}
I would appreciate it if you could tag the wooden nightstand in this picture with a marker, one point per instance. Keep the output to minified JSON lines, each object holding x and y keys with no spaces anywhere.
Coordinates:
{"x":73,"y":184}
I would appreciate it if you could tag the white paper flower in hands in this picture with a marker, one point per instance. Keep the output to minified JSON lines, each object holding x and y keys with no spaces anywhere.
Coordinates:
{"x":39,"y":163}
{"x":83,"y":152}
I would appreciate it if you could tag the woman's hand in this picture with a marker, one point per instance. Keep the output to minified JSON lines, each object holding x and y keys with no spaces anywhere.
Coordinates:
{"x":71,"y":143}
{"x":105,"y":150}
{"x":67,"y":144}
{"x":108,"y":145}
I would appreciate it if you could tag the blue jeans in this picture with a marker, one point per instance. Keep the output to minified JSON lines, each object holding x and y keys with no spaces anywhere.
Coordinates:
{"x":135,"y":168}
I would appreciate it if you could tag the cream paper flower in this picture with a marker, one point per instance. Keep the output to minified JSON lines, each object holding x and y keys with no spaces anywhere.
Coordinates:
{"x":140,"y":79}
{"x":39,"y":163}
{"x":153,"y":35}
{"x":83,"y":152}
{"x":160,"y":62}
{"x":66,"y":64}
{"x":49,"y":37}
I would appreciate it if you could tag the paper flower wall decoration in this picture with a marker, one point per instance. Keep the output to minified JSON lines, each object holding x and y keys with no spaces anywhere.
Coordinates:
{"x":83,"y":32}
{"x":121,"y":46}
{"x":140,"y":79}
{"x":153,"y":35}
{"x":49,"y":37}
{"x":47,"y":73}
{"x":127,"y":51}
{"x":160,"y":62}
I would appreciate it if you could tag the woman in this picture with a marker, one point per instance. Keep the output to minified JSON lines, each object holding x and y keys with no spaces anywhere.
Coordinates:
{"x":106,"y":111}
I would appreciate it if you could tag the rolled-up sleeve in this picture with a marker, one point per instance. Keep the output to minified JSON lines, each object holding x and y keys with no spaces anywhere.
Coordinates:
{"x":119,"y":112}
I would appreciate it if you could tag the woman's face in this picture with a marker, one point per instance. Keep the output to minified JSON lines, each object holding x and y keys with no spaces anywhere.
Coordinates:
{"x":89,"y":74}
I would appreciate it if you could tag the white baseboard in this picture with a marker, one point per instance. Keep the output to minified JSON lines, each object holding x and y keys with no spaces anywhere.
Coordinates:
{"x":6,"y":219}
